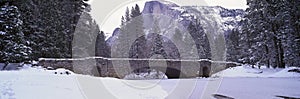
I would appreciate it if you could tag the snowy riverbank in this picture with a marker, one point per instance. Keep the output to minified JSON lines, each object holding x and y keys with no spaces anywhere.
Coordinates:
{"x":238,"y":82}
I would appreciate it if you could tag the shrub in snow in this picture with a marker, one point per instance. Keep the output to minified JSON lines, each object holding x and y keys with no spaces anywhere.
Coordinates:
{"x":152,"y":74}
{"x":34,"y":63}
{"x":296,"y":70}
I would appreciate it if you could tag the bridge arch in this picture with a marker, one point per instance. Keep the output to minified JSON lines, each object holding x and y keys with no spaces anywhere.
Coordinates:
{"x":185,"y":46}
{"x":205,"y":72}
{"x":170,"y":72}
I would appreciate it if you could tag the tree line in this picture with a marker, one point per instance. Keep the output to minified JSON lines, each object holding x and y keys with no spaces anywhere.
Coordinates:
{"x":269,"y":34}
{"x":31,"y":29}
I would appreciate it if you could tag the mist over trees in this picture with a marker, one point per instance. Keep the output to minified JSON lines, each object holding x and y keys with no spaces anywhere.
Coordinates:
{"x":132,"y":27}
{"x":200,"y":38}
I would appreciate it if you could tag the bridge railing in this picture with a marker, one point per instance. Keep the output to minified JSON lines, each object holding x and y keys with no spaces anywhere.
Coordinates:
{"x":101,"y":66}
{"x":86,"y":58}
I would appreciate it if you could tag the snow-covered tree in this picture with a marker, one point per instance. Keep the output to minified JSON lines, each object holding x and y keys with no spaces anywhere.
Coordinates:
{"x":101,"y":47}
{"x":288,"y":17}
{"x":200,"y":38}
{"x":270,"y":32}
{"x":158,"y":47}
{"x":85,"y":36}
{"x":49,"y":26}
{"x":232,"y":45}
{"x":127,"y":15}
{"x":13,"y":45}
{"x":137,"y":27}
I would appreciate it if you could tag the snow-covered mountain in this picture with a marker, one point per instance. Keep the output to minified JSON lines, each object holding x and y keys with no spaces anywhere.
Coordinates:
{"x":215,"y":21}
{"x":210,"y":16}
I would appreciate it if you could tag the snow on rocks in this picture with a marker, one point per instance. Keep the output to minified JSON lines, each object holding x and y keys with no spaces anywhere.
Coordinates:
{"x":248,"y":71}
{"x":2,"y":33}
{"x":153,"y":74}
{"x":28,"y":68}
{"x":61,"y":71}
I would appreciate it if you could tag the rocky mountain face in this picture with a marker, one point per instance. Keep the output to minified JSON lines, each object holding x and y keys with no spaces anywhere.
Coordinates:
{"x":212,"y":25}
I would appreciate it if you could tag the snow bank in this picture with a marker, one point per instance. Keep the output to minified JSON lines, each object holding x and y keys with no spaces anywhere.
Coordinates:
{"x":248,"y":71}
{"x":39,"y":83}
{"x":287,"y":73}
{"x":28,"y":69}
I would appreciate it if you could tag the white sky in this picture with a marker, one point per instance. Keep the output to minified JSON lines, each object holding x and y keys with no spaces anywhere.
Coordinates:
{"x":108,"y":13}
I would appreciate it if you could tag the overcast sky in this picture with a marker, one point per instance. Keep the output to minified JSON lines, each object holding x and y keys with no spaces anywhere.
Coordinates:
{"x":109,"y":20}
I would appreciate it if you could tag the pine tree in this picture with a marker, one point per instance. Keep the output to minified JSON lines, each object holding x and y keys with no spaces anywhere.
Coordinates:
{"x":232,"y":43}
{"x":13,"y":44}
{"x":289,"y":15}
{"x":272,"y":33}
{"x":256,"y":37}
{"x":200,"y":38}
{"x":135,"y":11}
{"x":136,"y":27}
{"x":85,"y":36}
{"x":123,"y":21}
{"x":101,"y":46}
{"x":256,"y":32}
{"x":158,"y":47}
{"x":49,"y":25}
{"x":132,"y":14}
{"x":123,"y":36}
{"x":127,"y":15}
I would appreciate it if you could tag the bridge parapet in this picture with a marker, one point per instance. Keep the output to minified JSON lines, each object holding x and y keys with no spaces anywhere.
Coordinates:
{"x":120,"y":67}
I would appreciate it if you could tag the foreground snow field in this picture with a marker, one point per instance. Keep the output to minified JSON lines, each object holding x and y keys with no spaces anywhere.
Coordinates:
{"x":38,"y":83}
{"x":248,"y":71}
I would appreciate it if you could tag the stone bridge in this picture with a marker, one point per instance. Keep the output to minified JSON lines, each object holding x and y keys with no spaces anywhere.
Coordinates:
{"x":120,"y":67}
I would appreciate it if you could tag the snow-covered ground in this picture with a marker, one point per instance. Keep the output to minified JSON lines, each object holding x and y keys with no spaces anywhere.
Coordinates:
{"x":248,"y":71}
{"x":238,"y":82}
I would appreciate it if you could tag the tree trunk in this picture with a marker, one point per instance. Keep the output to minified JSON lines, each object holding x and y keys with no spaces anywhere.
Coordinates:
{"x":267,"y":56}
{"x":276,"y":50}
{"x":280,"y":53}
